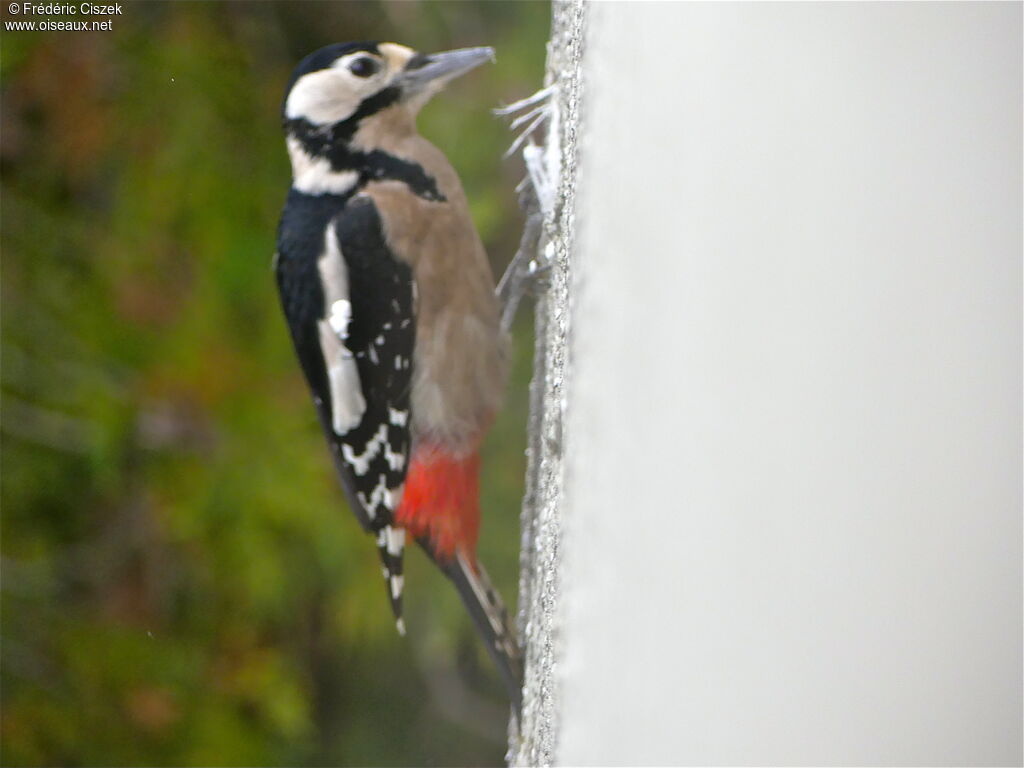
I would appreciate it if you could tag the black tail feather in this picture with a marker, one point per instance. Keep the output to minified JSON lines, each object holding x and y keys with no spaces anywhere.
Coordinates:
{"x":490,"y":617}
{"x":390,"y":547}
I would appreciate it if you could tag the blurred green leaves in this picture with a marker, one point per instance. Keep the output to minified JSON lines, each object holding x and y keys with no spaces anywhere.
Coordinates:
{"x":181,"y":581}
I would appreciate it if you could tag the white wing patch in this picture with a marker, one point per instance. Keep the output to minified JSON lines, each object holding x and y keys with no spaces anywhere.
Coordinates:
{"x":347,"y":402}
{"x":340,"y":317}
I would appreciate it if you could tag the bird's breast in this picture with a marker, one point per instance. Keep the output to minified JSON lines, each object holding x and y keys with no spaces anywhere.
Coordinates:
{"x":460,"y":360}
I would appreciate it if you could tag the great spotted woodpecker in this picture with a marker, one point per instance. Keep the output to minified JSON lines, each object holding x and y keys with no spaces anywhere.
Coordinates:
{"x":391,"y":306}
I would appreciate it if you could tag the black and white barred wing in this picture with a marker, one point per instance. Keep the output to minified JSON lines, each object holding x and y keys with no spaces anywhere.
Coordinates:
{"x":366,"y":335}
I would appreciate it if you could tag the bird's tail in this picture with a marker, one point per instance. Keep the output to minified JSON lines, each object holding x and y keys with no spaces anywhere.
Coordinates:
{"x":488,"y":612}
{"x":441,"y":509}
{"x":390,"y":547}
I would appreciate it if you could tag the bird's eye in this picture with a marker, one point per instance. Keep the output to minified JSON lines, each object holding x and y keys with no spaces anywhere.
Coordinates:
{"x":363,"y":67}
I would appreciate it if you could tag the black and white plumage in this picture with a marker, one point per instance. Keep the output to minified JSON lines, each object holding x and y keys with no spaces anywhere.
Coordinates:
{"x":355,"y":346}
{"x":390,"y":301}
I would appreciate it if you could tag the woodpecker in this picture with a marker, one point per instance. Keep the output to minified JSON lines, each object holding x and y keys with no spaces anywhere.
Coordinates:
{"x":390,"y":302}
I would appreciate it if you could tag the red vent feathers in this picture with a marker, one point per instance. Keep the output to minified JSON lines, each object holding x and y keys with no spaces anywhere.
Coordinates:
{"x":441,"y":501}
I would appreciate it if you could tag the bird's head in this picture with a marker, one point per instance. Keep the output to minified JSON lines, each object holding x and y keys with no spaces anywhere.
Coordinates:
{"x":349,"y":82}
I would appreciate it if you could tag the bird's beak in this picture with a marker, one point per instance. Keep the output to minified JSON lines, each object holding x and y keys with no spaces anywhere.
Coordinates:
{"x":436,"y":69}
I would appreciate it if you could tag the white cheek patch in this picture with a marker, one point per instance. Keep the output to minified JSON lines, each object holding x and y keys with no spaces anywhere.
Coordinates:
{"x":347,"y":402}
{"x":333,"y":94}
{"x":325,"y":97}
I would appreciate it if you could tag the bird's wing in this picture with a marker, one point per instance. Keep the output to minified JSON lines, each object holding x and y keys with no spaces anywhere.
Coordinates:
{"x":370,"y":363}
{"x":355,"y":342}
{"x":370,"y":405}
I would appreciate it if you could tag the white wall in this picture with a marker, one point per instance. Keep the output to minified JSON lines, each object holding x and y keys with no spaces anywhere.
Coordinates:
{"x":793,"y":531}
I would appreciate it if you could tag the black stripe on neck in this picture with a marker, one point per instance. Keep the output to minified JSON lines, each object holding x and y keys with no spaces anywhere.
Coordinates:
{"x":318,"y":140}
{"x":347,"y":128}
{"x":332,"y":142}
{"x":380,"y":165}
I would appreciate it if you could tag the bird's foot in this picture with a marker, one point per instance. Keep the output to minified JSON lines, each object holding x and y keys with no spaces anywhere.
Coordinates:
{"x":529,"y":269}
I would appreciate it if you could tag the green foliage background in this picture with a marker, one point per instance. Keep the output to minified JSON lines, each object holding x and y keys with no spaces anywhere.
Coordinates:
{"x":181,"y":581}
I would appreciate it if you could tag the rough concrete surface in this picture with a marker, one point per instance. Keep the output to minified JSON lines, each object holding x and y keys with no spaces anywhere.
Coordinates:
{"x":540,"y":557}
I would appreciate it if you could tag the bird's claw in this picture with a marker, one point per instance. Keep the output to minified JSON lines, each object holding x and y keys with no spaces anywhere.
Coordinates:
{"x":530,"y":269}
